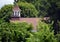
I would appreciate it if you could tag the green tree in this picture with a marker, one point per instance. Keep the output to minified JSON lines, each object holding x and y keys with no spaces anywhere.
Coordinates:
{"x":41,"y":6}
{"x":54,"y":13}
{"x":44,"y":34}
{"x":27,"y":9}
{"x":14,"y":32}
{"x":5,"y":12}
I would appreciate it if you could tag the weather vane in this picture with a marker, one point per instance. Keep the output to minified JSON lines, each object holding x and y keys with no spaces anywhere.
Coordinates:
{"x":15,"y":0}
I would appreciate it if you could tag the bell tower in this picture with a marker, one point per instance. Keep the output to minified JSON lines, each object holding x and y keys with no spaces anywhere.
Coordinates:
{"x":16,"y":10}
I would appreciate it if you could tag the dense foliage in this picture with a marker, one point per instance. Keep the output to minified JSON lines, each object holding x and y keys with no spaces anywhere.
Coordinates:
{"x":45,"y":7}
{"x":5,"y":12}
{"x":44,"y":34}
{"x":14,"y":32}
{"x":27,"y":9}
{"x":21,"y":32}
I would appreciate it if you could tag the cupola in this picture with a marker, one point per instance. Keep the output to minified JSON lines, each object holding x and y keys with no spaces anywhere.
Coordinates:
{"x":16,"y":11}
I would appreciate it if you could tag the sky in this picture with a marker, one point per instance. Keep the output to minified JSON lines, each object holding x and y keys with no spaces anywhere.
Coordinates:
{"x":4,"y":2}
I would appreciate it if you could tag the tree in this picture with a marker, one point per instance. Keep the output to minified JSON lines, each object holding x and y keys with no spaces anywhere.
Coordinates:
{"x":14,"y":32}
{"x":54,"y":13}
{"x":40,"y":5}
{"x":5,"y":12}
{"x":27,"y":9}
{"x":44,"y":34}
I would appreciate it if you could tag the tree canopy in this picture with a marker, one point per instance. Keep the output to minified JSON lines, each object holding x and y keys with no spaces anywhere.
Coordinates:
{"x":5,"y":12}
{"x":27,"y":9}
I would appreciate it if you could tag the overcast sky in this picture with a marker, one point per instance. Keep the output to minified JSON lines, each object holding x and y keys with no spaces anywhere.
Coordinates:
{"x":3,"y":2}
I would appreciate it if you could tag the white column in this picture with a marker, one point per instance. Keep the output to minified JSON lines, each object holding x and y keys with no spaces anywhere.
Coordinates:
{"x":18,"y":13}
{"x":14,"y":13}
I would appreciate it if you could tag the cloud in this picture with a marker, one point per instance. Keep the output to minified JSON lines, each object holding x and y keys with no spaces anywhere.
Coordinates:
{"x":4,"y":2}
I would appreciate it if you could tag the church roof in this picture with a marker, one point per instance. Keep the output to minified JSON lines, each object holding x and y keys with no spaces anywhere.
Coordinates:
{"x":34,"y":21}
{"x":16,"y":7}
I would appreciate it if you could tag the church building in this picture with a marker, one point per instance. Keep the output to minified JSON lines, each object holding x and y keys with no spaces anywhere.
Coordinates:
{"x":16,"y":17}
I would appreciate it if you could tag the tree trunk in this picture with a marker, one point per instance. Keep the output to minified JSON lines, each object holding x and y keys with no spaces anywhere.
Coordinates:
{"x":55,"y":26}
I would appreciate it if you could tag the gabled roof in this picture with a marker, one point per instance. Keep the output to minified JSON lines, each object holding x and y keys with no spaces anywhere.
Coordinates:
{"x":16,"y":7}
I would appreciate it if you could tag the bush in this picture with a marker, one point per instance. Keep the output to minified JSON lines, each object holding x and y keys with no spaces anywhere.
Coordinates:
{"x":58,"y":37}
{"x":5,"y":12}
{"x":21,"y":32}
{"x":11,"y":32}
{"x":44,"y":34}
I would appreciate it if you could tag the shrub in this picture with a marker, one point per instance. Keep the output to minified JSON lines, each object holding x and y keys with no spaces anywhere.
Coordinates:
{"x":11,"y":32}
{"x":44,"y":34}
